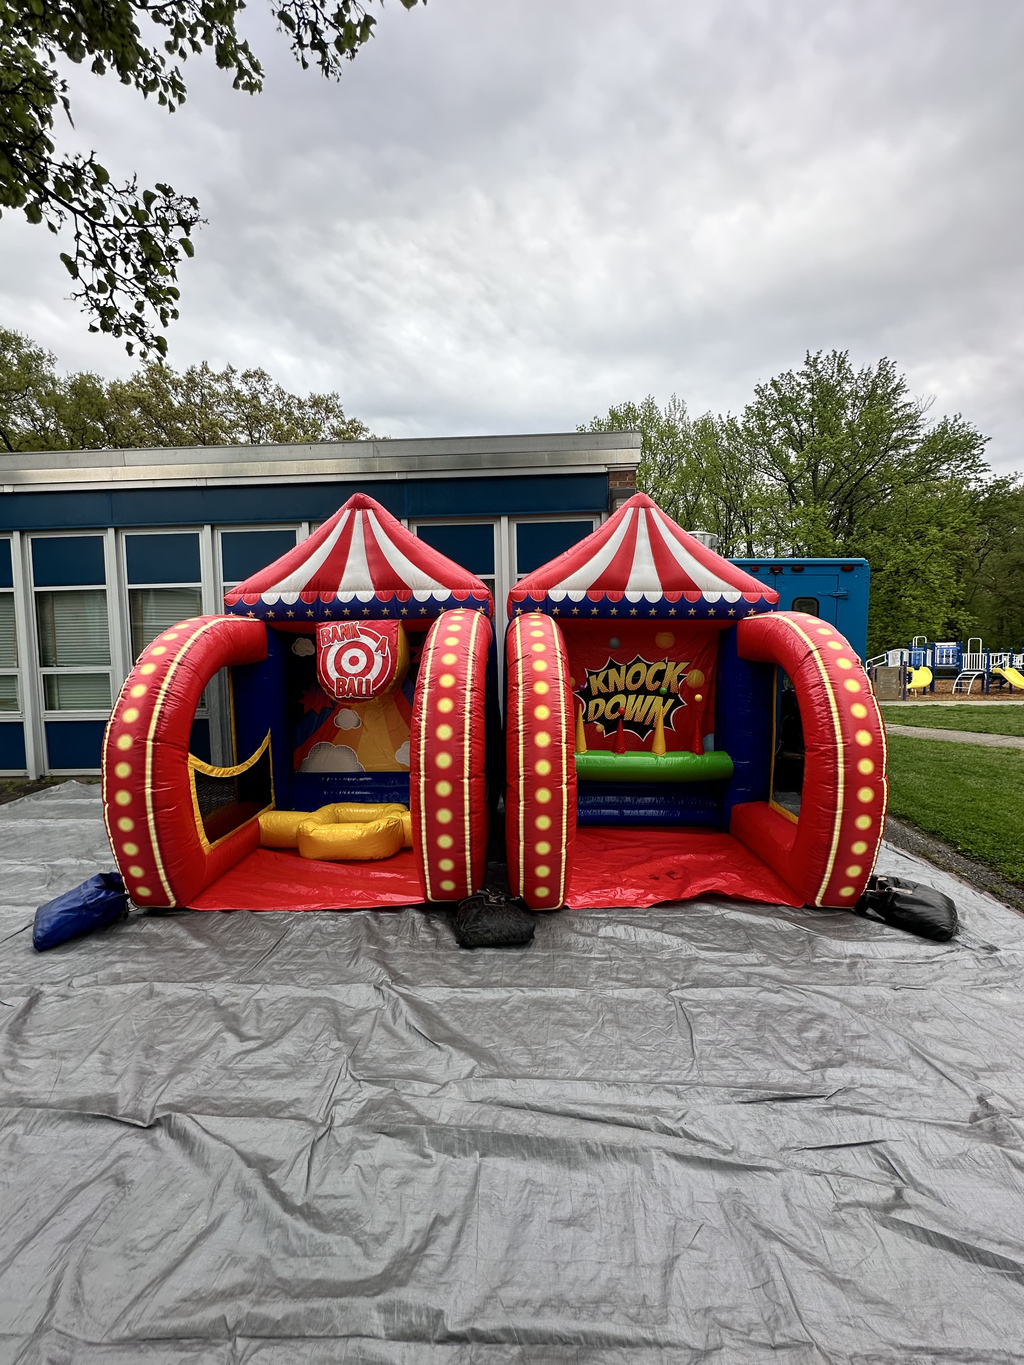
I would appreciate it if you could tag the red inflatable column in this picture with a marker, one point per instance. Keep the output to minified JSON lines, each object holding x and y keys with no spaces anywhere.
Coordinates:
{"x":830,"y":853}
{"x":447,"y":753}
{"x":148,"y":806}
{"x":540,"y":800}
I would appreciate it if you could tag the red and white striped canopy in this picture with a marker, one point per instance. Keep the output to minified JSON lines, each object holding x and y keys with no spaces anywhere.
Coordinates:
{"x":640,"y":556}
{"x":363,"y":556}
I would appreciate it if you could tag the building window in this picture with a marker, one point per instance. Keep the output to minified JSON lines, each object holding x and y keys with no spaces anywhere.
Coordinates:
{"x":69,"y":579}
{"x":469,"y":543}
{"x":243,"y":553}
{"x":163,"y":583}
{"x":8,"y":635}
{"x":537,"y":542}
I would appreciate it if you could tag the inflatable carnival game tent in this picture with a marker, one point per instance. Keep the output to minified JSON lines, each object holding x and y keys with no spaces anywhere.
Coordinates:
{"x":643,"y":672}
{"x":362,"y":677}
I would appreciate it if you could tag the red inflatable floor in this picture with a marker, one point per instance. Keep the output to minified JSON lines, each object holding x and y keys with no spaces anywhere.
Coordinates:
{"x":626,"y":867}
{"x":618,"y":868}
{"x":269,"y":879}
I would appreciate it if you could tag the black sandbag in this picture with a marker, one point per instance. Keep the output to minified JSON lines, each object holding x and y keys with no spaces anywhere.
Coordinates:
{"x":907,"y":905}
{"x":490,"y":919}
{"x":96,"y":903}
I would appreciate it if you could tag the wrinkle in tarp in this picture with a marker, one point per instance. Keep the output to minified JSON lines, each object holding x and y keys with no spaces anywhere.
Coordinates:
{"x":700,"y":1132}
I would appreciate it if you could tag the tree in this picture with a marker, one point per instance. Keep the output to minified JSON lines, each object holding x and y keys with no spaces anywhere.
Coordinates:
{"x":127,"y":243}
{"x":831,"y":460}
{"x":156,"y":406}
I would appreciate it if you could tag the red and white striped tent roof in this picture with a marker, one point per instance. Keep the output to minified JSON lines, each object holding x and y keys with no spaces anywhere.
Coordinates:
{"x":640,"y":557}
{"x":363,"y":557}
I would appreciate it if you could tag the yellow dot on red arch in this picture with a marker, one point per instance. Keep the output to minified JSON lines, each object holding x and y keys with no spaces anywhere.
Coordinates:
{"x":130,"y":715}
{"x":542,"y":849}
{"x":835,"y":644}
{"x":542,"y":872}
{"x":447,"y":865}
{"x":824,"y":632}
{"x":443,"y":760}
{"x":171,"y":635}
{"x":158,"y":649}
{"x":447,"y":680}
{"x":844,"y":663}
{"x":536,"y":635}
{"x":136,"y":871}
{"x":449,"y":658}
{"x":859,"y":710}
{"x":445,"y":841}
{"x":847,"y":890}
{"x":865,"y":766}
{"x":543,"y":822}
{"x":444,"y":816}
{"x":863,"y":822}
{"x":542,"y":767}
{"x":122,"y":770}
{"x":542,"y":712}
{"x":443,"y":789}
{"x":124,"y":741}
{"x":854,"y":870}
{"x":541,"y":891}
{"x":123,"y":798}
{"x":540,"y":666}
{"x":143,"y":891}
{"x":542,"y":739}
{"x":863,"y":738}
{"x":445,"y":705}
{"x":148,"y":668}
{"x":541,"y":688}
{"x":126,"y":824}
{"x":139,"y":690}
{"x":852,"y":685}
{"x":860,"y":848}
{"x":866,"y":794}
{"x":451,"y":640}
{"x":539,"y":648}
{"x":453,"y":625}
{"x":543,"y":795}
{"x":444,"y":732}
{"x":447,"y":886}
{"x":130,"y":851}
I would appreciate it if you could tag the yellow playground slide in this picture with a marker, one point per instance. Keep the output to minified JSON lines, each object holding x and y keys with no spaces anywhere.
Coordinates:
{"x":1012,"y":675}
{"x":920,"y":678}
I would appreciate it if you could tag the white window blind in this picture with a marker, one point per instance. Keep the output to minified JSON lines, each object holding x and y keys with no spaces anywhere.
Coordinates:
{"x":8,"y":639}
{"x":154,"y":610}
{"x":77,"y":691}
{"x":73,"y":629}
{"x":8,"y":692}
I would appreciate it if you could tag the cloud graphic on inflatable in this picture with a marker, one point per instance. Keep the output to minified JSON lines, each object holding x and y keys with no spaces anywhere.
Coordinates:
{"x":304,"y":647}
{"x":347,"y":720}
{"x":402,"y":754}
{"x":331,"y":758}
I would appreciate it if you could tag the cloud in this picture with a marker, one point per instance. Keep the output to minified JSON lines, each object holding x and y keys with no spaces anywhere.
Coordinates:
{"x":402,"y":754}
{"x":331,"y":758}
{"x":303,"y":647}
{"x":347,"y":719}
{"x":508,"y":217}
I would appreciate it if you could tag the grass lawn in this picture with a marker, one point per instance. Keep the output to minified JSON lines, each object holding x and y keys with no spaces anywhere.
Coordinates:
{"x":968,"y":795}
{"x":989,"y":720}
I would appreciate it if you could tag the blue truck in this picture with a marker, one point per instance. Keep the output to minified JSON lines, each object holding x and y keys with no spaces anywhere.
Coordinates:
{"x":834,"y":589}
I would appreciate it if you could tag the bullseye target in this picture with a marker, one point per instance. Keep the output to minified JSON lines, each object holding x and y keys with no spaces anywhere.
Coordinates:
{"x":356,"y":661}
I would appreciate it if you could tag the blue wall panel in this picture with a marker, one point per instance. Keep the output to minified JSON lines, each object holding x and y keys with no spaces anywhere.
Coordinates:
{"x":454,"y":497}
{"x":74,"y":744}
{"x":6,"y":572}
{"x":162,"y":559}
{"x":12,"y":745}
{"x":66,"y":561}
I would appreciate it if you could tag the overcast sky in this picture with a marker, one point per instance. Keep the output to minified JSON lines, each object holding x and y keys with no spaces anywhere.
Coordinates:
{"x":511,"y":214}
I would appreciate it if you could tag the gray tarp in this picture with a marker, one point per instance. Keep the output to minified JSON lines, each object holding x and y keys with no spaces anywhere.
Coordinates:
{"x":706,"y":1132}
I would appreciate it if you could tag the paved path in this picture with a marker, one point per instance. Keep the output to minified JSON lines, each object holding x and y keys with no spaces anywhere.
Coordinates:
{"x":958,"y":736}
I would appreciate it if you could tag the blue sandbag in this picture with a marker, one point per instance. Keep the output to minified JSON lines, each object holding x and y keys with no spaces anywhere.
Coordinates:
{"x":93,"y":905}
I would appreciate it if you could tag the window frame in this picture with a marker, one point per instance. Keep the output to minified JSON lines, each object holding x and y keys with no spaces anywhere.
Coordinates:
{"x":594,"y":519}
{"x":222,"y":583}
{"x":17,"y":671}
{"x":42,"y":671}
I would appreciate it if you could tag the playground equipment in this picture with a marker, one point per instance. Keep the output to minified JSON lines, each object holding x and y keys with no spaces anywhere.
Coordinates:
{"x":642,"y":671}
{"x":362,"y":675}
{"x":969,"y":664}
